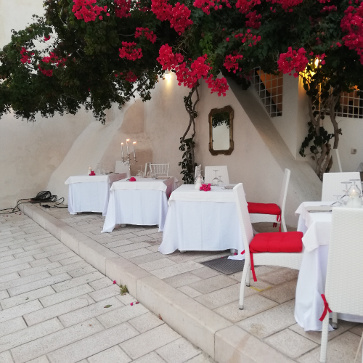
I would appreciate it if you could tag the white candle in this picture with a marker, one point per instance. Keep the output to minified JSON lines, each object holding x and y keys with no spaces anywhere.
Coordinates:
{"x":134,"y":143}
{"x":127,"y":146}
{"x":122,"y":150}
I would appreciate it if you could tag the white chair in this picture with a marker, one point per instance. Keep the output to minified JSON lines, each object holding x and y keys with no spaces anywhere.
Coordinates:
{"x":343,"y":286}
{"x":146,"y":168}
{"x":332,"y":184}
{"x":159,"y":169}
{"x":221,"y":172}
{"x":122,"y":167}
{"x":272,"y":212}
{"x":272,"y":248}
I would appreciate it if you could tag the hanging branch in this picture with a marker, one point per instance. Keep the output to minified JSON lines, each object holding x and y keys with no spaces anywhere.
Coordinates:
{"x":187,"y":144}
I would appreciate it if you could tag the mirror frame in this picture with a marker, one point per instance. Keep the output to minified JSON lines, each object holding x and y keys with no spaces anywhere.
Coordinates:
{"x":213,"y":111}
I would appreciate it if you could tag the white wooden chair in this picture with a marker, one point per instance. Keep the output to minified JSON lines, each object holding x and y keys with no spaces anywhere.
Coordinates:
{"x":343,"y":286}
{"x":272,"y":248}
{"x":272,"y":212}
{"x":336,"y":159}
{"x":222,"y":173}
{"x":159,"y":169}
{"x":332,"y":184}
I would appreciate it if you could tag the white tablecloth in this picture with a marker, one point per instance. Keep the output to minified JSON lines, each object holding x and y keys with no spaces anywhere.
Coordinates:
{"x":141,"y":202}
{"x":201,"y":221}
{"x":90,"y":193}
{"x":316,"y":227}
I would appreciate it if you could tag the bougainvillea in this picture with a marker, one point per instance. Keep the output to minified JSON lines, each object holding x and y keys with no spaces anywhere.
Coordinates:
{"x":129,"y":51}
{"x":293,"y":60}
{"x":86,"y":10}
{"x":147,"y":33}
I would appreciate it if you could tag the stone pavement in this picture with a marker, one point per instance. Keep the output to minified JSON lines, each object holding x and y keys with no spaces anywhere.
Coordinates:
{"x":55,"y":307}
{"x":199,"y":303}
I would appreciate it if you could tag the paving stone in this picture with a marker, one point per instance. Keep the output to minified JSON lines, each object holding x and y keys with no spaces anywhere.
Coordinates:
{"x":145,"y":322}
{"x":29,"y":334}
{"x":51,"y":342}
{"x":212,"y":284}
{"x":253,"y":305}
{"x":176,"y":269}
{"x":19,"y":310}
{"x":5,"y":357}
{"x":114,"y":354}
{"x":62,"y":256}
{"x":72,"y":282}
{"x":105,"y":293}
{"x":178,"y":351}
{"x":39,"y":284}
{"x":182,"y":279}
{"x":121,"y":315}
{"x":270,"y":321}
{"x":290,"y":343}
{"x":42,"y":359}
{"x":27,"y":296}
{"x":69,"y":267}
{"x":82,"y":271}
{"x":59,"y":310}
{"x":149,"y":341}
{"x":201,"y":358}
{"x":6,"y":258}
{"x":11,"y":326}
{"x":157,"y":264}
{"x":281,"y":293}
{"x":9,"y":277}
{"x":35,"y":270}
{"x":71,"y":260}
{"x":150,"y":357}
{"x":93,"y":310}
{"x":94,"y":344}
{"x":340,"y":349}
{"x":189,"y":291}
{"x":40,"y":262}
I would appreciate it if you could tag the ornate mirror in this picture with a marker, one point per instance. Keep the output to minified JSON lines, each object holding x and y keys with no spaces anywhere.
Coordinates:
{"x":221,"y":131}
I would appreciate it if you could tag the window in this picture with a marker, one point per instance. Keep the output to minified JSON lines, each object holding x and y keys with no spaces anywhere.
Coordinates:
{"x":351,"y":104}
{"x":269,"y":87}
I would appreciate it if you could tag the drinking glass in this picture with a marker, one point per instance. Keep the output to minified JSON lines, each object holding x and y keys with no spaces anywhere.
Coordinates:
{"x":215,"y":180}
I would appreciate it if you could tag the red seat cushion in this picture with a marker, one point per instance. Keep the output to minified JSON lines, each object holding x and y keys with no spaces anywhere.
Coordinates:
{"x":264,"y":208}
{"x":277,"y":242}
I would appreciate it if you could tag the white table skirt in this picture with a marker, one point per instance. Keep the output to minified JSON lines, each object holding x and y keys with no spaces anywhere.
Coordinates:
{"x":312,"y":275}
{"x":90,"y":193}
{"x":143,"y":202}
{"x":201,"y":225}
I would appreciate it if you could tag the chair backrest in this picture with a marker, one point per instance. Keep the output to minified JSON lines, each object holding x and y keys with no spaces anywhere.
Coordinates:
{"x":283,"y":192}
{"x":159,"y":169}
{"x":332,"y":184}
{"x":343,"y":288}
{"x":121,"y":167}
{"x":222,"y":173}
{"x":243,"y":217}
{"x":147,"y":166}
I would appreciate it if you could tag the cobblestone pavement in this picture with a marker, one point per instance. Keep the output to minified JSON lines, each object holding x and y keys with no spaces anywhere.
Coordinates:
{"x":55,"y":307}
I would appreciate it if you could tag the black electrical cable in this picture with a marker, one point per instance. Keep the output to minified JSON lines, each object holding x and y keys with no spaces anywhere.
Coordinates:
{"x":53,"y":198}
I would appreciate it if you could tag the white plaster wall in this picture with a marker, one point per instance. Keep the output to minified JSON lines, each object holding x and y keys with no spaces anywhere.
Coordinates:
{"x":30,"y":152}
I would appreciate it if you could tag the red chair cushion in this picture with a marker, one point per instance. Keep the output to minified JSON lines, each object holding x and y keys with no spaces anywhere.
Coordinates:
{"x":277,"y":242}
{"x":264,"y":208}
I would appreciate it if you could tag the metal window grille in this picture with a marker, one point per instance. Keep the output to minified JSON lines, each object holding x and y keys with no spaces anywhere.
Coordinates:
{"x":351,"y":104}
{"x":269,"y":87}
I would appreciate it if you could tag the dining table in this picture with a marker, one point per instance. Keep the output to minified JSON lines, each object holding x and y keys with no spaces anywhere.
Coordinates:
{"x":315,"y":220}
{"x":200,"y":220}
{"x":90,"y":193}
{"x":139,"y":201}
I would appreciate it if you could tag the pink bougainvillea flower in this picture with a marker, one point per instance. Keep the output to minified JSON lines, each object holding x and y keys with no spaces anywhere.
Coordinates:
{"x":114,"y":282}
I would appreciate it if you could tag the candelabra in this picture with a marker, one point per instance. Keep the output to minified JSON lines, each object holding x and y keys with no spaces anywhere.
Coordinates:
{"x":130,"y":155}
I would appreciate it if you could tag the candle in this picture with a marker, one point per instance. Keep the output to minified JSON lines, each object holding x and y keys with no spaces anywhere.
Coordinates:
{"x":134,"y":143}
{"x":122,"y":150}
{"x":127,"y":146}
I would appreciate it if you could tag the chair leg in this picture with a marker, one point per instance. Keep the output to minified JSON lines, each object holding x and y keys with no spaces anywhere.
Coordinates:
{"x":248,"y":277}
{"x":334,"y":322}
{"x":245,"y":276}
{"x":324,"y":339}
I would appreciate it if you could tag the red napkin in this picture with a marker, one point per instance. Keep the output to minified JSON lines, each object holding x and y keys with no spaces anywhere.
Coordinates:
{"x":132,"y":179}
{"x":92,"y":173}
